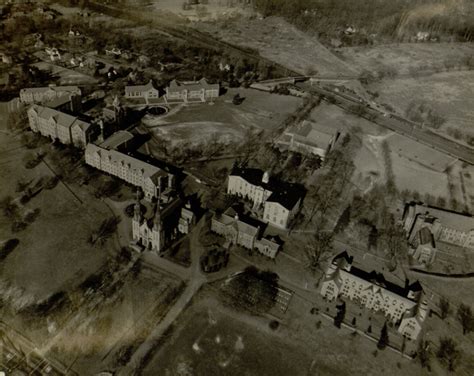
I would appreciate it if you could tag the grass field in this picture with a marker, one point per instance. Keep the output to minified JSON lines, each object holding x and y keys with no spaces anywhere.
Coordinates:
{"x":405,"y":58}
{"x":449,"y":94}
{"x":53,"y":253}
{"x":122,"y":322}
{"x":279,"y":41}
{"x":215,"y":341}
{"x":228,"y":122}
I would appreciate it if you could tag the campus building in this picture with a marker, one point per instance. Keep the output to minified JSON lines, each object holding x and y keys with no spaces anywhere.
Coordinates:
{"x":246,"y":232}
{"x":156,"y":231}
{"x":310,"y":138}
{"x":428,"y":227}
{"x":191,"y":91}
{"x":405,"y":306}
{"x":280,"y":200}
{"x":40,"y":95}
{"x":146,"y":91}
{"x":67,"y":129}
{"x":150,"y":178}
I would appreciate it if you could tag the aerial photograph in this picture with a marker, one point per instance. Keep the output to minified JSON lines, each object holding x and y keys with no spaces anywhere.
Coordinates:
{"x":236,"y":187}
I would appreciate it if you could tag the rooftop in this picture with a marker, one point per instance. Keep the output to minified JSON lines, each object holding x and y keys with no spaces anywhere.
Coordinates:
{"x":459,"y":221}
{"x":193,"y":85}
{"x":60,"y":118}
{"x":117,"y":139}
{"x":52,"y":87}
{"x":314,"y":134}
{"x":133,"y":88}
{"x":286,"y":194}
{"x":376,"y":277}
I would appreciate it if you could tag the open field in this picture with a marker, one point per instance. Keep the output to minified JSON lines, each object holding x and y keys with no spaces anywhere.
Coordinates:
{"x":119,"y":324}
{"x":277,"y":40}
{"x":404,"y":58}
{"x":66,"y":76}
{"x":449,"y":94}
{"x":228,"y":122}
{"x":53,"y":253}
{"x":220,"y":341}
{"x":211,"y":10}
{"x":216,"y":341}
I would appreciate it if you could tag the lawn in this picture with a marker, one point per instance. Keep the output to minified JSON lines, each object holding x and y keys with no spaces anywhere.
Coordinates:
{"x":404,"y":58}
{"x":228,"y":122}
{"x":279,"y":41}
{"x":53,"y":253}
{"x":215,"y":341}
{"x":120,"y":323}
{"x":449,"y":94}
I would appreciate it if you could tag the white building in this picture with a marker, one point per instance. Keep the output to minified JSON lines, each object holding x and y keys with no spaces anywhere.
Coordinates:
{"x":280,"y":200}
{"x":191,"y":91}
{"x":146,"y":92}
{"x":403,"y":306}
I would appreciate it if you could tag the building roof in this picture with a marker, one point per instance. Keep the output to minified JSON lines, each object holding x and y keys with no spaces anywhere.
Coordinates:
{"x":286,"y":194}
{"x":458,"y":221}
{"x":192,"y":85}
{"x":425,"y":236}
{"x":313,"y":134}
{"x":70,"y":89}
{"x":61,"y":119}
{"x":376,"y":278}
{"x":242,"y":223}
{"x":148,"y":170}
{"x":134,"y":88}
{"x":117,"y":139}
{"x":58,"y":101}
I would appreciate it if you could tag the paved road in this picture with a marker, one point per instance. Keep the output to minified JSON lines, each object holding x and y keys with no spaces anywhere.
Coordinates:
{"x":401,"y":125}
{"x":195,"y":279}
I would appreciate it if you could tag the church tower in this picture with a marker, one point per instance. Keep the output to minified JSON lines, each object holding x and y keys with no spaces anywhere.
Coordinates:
{"x":158,"y":234}
{"x":137,"y":218}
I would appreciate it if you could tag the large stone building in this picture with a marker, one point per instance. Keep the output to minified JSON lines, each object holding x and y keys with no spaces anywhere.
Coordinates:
{"x":310,"y":138}
{"x":246,"y":232}
{"x":151,"y":179}
{"x":404,"y":306}
{"x":41,"y":95}
{"x":428,"y":228}
{"x":154,"y":233}
{"x":59,"y":126}
{"x":146,"y":91}
{"x":191,"y":91}
{"x":280,"y":200}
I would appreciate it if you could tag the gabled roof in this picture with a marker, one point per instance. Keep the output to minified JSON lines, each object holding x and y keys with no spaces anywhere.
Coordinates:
{"x":313,"y":134}
{"x":61,"y":119}
{"x":141,"y":167}
{"x":192,"y":85}
{"x":375,"y":277}
{"x":134,"y":88}
{"x":65,"y":89}
{"x":286,"y":194}
{"x":458,"y":221}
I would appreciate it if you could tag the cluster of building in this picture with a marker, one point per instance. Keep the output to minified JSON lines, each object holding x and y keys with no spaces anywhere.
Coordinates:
{"x":280,"y":200}
{"x":310,"y":138}
{"x":176,"y":91}
{"x":245,"y":231}
{"x":428,"y":228}
{"x":405,"y":306}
